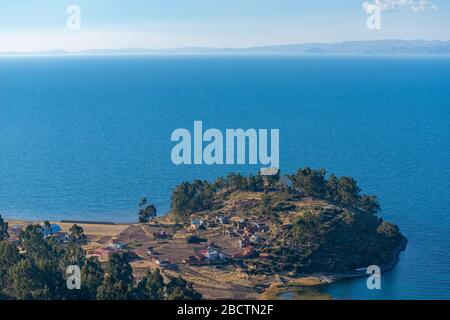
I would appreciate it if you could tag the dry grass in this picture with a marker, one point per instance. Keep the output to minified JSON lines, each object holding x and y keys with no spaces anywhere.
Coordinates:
{"x":97,"y":229}
{"x":299,"y":289}
{"x":306,"y":282}
{"x":93,"y":230}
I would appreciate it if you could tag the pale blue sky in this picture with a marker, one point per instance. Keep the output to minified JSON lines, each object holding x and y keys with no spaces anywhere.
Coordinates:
{"x":30,"y":25}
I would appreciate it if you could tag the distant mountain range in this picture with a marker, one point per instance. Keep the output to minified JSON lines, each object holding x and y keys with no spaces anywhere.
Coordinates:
{"x":377,"y":47}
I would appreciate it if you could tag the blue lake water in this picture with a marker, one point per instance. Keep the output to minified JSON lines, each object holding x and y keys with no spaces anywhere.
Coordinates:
{"x":87,"y":137}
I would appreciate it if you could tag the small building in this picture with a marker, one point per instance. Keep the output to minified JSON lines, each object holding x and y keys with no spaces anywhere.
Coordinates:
{"x":163,"y":263}
{"x":241,"y":224}
{"x":162,"y":234}
{"x":62,"y":237}
{"x":207,"y":254}
{"x":255,"y":225}
{"x":254,"y":238}
{"x":196,"y":224}
{"x":118,"y":245}
{"x":223,"y":219}
{"x":51,"y":230}
{"x":262,"y":227}
{"x":212,"y":224}
{"x":211,"y":254}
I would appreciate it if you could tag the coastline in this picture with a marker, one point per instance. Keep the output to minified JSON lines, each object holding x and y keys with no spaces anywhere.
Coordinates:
{"x":304,"y":287}
{"x":310,"y":286}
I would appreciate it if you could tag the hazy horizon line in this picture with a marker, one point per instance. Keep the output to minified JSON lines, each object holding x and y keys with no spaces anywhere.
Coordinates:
{"x":225,"y":50}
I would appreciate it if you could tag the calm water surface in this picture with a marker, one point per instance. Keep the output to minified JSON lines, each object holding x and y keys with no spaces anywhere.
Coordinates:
{"x":86,"y":138}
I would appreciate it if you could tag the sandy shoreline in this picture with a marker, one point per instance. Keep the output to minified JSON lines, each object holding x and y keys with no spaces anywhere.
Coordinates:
{"x":93,"y":228}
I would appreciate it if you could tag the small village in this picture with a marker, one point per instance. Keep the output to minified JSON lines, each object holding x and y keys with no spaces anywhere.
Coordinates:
{"x":204,"y":250}
{"x":241,"y":238}
{"x":212,"y":241}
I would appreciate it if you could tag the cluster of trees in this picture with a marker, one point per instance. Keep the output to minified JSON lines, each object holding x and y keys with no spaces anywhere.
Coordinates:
{"x":238,"y":182}
{"x":306,"y":229}
{"x":339,"y":241}
{"x":253,"y":183}
{"x":195,"y":239}
{"x":3,"y":229}
{"x":76,"y":235}
{"x":188,"y":198}
{"x":344,"y":190}
{"x":118,"y":284}
{"x":35,"y":269}
{"x":147,"y":211}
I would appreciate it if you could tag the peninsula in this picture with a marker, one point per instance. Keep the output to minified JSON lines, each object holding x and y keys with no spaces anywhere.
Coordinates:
{"x":243,"y":237}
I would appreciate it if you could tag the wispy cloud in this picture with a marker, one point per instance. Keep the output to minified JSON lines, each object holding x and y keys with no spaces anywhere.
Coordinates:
{"x":392,"y":5}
